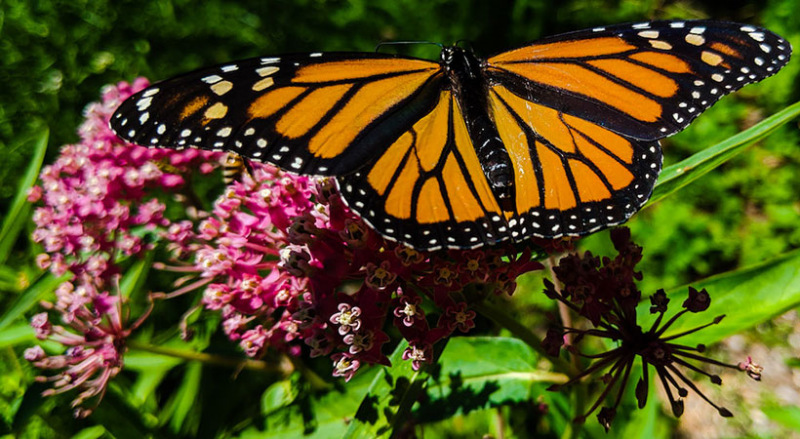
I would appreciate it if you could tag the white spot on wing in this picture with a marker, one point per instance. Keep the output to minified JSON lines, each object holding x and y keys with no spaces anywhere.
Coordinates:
{"x":212,"y":79}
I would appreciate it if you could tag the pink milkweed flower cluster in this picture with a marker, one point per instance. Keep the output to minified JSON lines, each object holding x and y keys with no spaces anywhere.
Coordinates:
{"x":98,"y":202}
{"x":280,"y":257}
{"x":289,"y":267}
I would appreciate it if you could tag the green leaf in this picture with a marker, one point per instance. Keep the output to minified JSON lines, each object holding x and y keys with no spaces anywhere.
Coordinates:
{"x":280,"y":394}
{"x":477,"y":372}
{"x":788,"y":416}
{"x":320,"y":417}
{"x":17,"y":335}
{"x":120,"y":417}
{"x":185,"y":400}
{"x":32,"y":401}
{"x":152,"y":369}
{"x":136,"y":276}
{"x":19,"y":212}
{"x":676,"y":176}
{"x":391,"y":395}
{"x":747,"y":297}
{"x":91,"y":433}
{"x":46,"y":284}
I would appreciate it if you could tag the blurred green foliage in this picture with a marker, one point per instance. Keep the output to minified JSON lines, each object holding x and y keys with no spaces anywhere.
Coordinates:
{"x":56,"y":55}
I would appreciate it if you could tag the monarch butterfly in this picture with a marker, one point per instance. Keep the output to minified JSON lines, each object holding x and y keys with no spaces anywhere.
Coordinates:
{"x":556,"y":138}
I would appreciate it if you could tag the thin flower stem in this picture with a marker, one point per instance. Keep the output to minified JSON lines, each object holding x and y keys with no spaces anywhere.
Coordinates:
{"x":706,"y":360}
{"x":497,"y":315}
{"x":672,"y":320}
{"x":566,"y":320}
{"x":687,"y":332}
{"x":563,"y":311}
{"x":500,"y":424}
{"x":316,"y":382}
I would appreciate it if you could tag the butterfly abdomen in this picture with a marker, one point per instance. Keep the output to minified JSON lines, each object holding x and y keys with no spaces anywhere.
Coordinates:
{"x":469,"y":86}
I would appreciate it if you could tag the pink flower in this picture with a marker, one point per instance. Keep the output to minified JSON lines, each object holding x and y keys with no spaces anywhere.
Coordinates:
{"x":347,"y":318}
{"x":95,"y":337}
{"x":417,"y":355}
{"x":409,"y":310}
{"x":344,"y":365}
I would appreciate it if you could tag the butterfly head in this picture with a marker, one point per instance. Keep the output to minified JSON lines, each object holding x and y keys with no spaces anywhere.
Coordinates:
{"x":460,"y":64}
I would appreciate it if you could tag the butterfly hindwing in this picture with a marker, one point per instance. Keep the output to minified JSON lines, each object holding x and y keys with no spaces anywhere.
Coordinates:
{"x":317,"y":114}
{"x":428,"y":189}
{"x":571,"y":176}
{"x":646,"y":80}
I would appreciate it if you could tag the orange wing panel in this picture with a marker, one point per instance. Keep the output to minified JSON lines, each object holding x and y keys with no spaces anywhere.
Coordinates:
{"x":369,"y":103}
{"x":309,"y":111}
{"x":670,"y":63}
{"x":193,"y":106}
{"x":619,"y":176}
{"x":564,"y":49}
{"x":516,"y":143}
{"x":398,"y":203}
{"x":361,"y":68}
{"x":642,"y":77}
{"x":467,"y":152}
{"x":590,"y":186}
{"x":557,"y":190}
{"x":381,"y":174}
{"x":465,"y":206}
{"x":430,"y":204}
{"x":618,"y":145}
{"x":268,"y":103}
{"x":579,"y":80}
{"x":432,"y":133}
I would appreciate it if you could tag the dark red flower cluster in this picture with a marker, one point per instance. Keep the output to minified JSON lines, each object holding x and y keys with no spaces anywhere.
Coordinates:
{"x":604,"y":292}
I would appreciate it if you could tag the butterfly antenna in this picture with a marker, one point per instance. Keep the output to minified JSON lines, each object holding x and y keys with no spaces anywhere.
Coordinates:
{"x":398,"y":43}
{"x":467,"y":44}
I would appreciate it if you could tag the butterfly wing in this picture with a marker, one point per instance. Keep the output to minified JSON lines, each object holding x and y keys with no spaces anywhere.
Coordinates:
{"x":645,"y":81}
{"x":572,"y":176}
{"x":428,"y":189}
{"x":314,"y":114}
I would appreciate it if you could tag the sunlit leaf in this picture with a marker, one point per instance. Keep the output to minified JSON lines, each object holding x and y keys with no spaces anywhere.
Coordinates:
{"x":479,"y":372}
{"x":747,"y":297}
{"x":18,"y":213}
{"x":674,"y":177}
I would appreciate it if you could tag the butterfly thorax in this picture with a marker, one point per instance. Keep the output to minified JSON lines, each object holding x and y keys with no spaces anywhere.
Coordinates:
{"x":470,"y":88}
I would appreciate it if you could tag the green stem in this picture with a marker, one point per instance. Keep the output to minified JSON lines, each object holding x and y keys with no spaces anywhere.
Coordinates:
{"x":498,"y":316}
{"x":316,"y":382}
{"x":579,"y":392}
{"x":284,"y":367}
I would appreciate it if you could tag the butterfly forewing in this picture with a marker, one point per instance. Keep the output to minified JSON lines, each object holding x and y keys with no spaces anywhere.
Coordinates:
{"x":646,"y":80}
{"x":316,"y":114}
